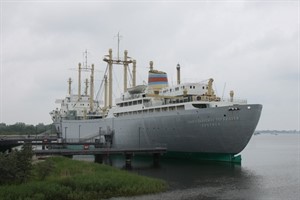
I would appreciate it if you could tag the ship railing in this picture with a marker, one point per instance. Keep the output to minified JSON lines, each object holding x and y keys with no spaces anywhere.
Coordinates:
{"x":234,"y":100}
{"x":91,"y":137}
{"x":72,"y":140}
{"x":76,"y":140}
{"x":82,"y":140}
{"x":85,"y":139}
{"x":159,"y":145}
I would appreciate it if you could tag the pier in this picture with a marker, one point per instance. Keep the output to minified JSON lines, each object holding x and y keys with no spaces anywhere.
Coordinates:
{"x":7,"y":142}
{"x":52,"y":146}
{"x":102,"y":153}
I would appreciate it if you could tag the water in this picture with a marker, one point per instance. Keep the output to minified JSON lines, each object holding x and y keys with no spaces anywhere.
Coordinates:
{"x":270,"y":169}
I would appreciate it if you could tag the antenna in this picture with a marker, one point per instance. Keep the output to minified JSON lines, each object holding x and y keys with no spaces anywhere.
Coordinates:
{"x":85,"y":59}
{"x":119,"y":38}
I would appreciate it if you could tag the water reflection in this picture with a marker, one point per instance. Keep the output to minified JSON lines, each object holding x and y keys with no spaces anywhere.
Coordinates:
{"x":269,"y":170}
{"x":197,"y":180}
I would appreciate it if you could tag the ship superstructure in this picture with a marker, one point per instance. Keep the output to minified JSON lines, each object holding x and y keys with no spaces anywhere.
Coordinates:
{"x":188,"y":118}
{"x":78,"y":106}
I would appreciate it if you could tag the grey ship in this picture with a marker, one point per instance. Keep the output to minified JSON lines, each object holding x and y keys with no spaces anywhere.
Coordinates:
{"x":188,"y":118}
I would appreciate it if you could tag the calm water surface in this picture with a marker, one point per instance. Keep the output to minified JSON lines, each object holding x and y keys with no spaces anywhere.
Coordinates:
{"x":270,"y":169}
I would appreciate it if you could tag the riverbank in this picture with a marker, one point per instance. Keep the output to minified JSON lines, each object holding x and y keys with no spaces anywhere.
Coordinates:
{"x":63,"y":178}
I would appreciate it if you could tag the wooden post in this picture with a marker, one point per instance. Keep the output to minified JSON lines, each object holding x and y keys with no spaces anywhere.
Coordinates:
{"x":43,"y":144}
{"x":99,"y":158}
{"x":156,"y":157}
{"x":128,"y":159}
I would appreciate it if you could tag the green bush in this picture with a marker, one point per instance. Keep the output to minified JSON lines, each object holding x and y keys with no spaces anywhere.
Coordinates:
{"x":78,"y":180}
{"x":44,"y":169}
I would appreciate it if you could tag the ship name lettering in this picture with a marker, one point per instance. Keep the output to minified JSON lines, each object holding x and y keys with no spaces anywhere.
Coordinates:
{"x":211,"y":124}
{"x":213,"y":120}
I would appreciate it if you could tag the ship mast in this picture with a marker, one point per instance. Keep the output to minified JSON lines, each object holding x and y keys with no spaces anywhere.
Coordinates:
{"x":92,"y":89}
{"x":85,"y":68}
{"x":125,"y":70}
{"x":117,"y":61}
{"x":79,"y":81}
{"x":133,"y":73}
{"x":178,"y":74}
{"x":86,"y":87}
{"x":70,"y":83}
{"x":105,"y":91}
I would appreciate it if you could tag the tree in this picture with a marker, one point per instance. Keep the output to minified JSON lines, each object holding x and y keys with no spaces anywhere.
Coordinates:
{"x":24,"y":164}
{"x":15,"y":167}
{"x":21,"y":128}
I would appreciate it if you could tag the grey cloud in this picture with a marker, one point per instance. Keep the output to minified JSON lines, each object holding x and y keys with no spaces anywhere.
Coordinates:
{"x":252,"y":46}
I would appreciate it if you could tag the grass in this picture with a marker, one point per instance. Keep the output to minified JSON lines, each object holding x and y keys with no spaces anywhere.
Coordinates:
{"x":71,"y":180}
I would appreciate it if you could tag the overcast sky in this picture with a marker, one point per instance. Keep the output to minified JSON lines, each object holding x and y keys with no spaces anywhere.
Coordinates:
{"x":252,"y":47}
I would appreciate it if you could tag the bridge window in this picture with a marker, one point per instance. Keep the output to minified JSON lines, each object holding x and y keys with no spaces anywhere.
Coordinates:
{"x":200,"y":105}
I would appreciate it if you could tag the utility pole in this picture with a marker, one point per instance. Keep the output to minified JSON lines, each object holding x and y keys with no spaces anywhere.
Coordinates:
{"x":66,"y":134}
{"x":79,"y":134}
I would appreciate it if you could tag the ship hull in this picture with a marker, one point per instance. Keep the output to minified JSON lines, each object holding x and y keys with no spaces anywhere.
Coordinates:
{"x":221,"y":131}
